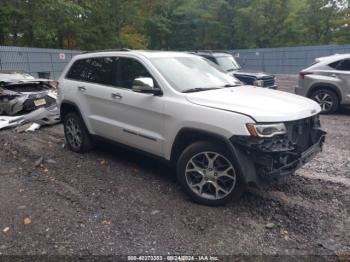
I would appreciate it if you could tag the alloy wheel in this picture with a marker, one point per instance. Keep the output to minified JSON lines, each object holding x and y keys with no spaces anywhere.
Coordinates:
{"x":74,"y":133}
{"x":325,"y":100}
{"x":210,"y":175}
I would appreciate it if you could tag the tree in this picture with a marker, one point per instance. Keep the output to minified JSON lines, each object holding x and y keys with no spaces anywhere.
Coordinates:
{"x":173,"y":24}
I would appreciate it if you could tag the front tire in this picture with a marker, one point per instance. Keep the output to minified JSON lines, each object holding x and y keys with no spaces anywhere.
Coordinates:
{"x":327,"y":99}
{"x":77,"y":136}
{"x":208,"y":174}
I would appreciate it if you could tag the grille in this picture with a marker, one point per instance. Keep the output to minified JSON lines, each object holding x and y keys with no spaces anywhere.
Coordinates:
{"x":270,"y":81}
{"x":302,"y":132}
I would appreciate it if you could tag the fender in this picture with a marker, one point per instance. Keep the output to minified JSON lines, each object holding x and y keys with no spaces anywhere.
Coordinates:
{"x":239,"y":162}
{"x":327,"y":85}
{"x":70,"y":104}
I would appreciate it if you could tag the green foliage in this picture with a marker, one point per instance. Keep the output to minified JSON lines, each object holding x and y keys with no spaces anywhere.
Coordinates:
{"x":173,"y":24}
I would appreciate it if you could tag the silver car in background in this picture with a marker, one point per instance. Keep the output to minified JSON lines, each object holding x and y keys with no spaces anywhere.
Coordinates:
{"x":327,"y":81}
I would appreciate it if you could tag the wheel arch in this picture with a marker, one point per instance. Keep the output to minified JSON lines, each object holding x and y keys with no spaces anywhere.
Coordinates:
{"x":67,"y":107}
{"x":318,"y":86}
{"x":187,"y":136}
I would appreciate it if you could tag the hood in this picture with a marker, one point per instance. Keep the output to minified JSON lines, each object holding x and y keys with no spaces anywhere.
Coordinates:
{"x":257,"y":75}
{"x":263,"y":105}
{"x":11,"y":77}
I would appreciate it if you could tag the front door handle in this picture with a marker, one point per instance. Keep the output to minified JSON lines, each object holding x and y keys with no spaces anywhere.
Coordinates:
{"x":82,"y":88}
{"x":116,"y":96}
{"x":334,"y":75}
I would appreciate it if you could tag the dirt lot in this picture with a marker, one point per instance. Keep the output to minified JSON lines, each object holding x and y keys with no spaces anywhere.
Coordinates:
{"x":112,"y":201}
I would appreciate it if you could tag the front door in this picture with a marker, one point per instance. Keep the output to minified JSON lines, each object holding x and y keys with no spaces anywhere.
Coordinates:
{"x":141,"y":116}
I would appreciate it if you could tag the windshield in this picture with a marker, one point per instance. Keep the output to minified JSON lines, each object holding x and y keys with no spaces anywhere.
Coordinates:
{"x":228,"y":63}
{"x":187,"y":73}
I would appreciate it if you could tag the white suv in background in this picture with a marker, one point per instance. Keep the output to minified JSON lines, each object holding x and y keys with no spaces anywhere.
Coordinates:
{"x":220,"y":136}
{"x":327,"y":81}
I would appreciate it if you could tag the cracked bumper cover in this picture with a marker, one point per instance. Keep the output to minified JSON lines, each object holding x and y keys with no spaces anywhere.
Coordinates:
{"x":266,"y":159}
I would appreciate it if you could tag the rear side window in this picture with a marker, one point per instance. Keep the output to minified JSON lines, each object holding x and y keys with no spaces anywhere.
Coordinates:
{"x":335,"y":64}
{"x":79,"y":70}
{"x":100,"y":70}
{"x":343,"y":65}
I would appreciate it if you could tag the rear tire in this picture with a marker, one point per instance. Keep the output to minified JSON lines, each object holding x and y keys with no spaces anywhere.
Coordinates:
{"x":327,"y":99}
{"x":77,"y":136}
{"x":208,"y":174}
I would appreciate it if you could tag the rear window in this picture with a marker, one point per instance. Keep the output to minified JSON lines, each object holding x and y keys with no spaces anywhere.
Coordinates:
{"x":100,"y":70}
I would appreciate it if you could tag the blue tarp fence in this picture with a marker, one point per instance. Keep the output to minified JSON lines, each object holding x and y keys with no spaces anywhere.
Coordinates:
{"x":286,"y":60}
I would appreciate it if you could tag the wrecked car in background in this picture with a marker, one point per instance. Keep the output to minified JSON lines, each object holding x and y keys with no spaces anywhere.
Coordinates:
{"x":25,"y":99}
{"x":26,"y":96}
{"x":9,"y":76}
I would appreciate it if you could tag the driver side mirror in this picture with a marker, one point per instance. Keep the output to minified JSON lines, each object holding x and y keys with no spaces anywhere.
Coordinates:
{"x":145,"y":85}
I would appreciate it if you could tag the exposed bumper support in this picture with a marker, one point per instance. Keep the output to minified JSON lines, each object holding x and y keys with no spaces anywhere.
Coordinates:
{"x":268,"y":159}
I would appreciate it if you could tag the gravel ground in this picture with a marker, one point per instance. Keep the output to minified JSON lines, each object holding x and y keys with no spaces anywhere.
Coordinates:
{"x":113,"y":201}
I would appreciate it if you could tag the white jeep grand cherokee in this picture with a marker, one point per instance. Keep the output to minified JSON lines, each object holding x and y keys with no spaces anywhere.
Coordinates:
{"x":182,"y":108}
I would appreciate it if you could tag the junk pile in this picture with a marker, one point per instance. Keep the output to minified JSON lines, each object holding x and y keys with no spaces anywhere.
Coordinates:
{"x":27,"y":102}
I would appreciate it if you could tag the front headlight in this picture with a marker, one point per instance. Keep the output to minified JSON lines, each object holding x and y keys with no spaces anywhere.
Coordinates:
{"x":266,"y":130}
{"x":258,"y":83}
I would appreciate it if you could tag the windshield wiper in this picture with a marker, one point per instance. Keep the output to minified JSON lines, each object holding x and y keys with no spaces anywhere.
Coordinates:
{"x":199,"y":89}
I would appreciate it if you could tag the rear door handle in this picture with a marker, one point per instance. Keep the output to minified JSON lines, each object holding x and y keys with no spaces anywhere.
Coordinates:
{"x":82,"y":88}
{"x":116,"y":96}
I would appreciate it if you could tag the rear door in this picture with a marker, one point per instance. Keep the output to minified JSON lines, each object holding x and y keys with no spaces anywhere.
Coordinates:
{"x":103,"y":88}
{"x":91,"y":84}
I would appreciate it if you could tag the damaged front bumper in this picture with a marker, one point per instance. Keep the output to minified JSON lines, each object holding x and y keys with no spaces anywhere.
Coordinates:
{"x":266,"y":159}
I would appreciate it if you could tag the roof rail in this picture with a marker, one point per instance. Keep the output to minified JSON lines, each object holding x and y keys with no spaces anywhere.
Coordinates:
{"x":107,"y":50}
{"x":210,"y":51}
{"x":222,"y":51}
{"x":203,"y":51}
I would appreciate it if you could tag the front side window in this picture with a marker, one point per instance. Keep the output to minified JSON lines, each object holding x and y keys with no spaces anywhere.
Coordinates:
{"x":129,"y":70}
{"x":185,"y":73}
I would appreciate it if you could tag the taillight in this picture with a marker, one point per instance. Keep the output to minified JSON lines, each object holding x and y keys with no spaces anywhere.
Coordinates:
{"x":55,"y":84}
{"x":303,"y":74}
